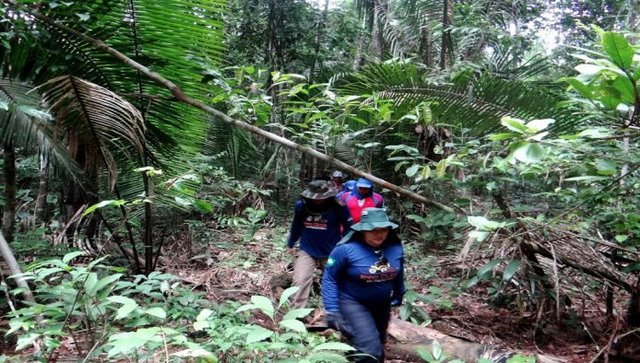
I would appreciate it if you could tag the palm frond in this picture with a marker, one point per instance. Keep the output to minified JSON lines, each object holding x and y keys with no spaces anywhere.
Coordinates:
{"x":27,"y":124}
{"x":475,"y":103}
{"x":101,"y":118}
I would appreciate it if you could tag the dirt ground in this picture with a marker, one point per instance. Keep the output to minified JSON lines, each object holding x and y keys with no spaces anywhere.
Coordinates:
{"x":581,"y":332}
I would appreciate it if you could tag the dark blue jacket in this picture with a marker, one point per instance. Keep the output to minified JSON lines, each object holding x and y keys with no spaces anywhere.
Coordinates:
{"x":357,"y":271}
{"x":318,"y":232}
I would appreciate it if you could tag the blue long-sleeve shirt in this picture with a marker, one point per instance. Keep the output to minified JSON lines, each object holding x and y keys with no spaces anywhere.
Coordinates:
{"x":320,"y":231}
{"x":362,"y":273}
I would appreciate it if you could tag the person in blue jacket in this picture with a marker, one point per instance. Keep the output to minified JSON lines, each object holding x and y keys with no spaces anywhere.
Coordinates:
{"x":317,"y":223}
{"x":363,"y":279}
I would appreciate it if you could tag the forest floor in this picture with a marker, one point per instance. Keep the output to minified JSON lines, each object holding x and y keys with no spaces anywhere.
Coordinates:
{"x":232,"y":270}
{"x":233,"y":266}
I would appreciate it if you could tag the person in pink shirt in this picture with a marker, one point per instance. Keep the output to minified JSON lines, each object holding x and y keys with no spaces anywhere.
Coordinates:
{"x":362,"y":197}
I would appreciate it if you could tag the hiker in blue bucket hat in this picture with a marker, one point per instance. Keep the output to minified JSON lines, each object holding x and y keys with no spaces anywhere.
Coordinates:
{"x":362,"y":280}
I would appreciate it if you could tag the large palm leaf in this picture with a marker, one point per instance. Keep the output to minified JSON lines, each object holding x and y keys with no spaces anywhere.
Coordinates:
{"x":474,"y":101}
{"x":100,"y":118}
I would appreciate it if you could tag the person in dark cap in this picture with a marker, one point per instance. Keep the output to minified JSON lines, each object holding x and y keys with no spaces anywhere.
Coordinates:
{"x":363,"y":278}
{"x":337,"y":181}
{"x":317,"y":224}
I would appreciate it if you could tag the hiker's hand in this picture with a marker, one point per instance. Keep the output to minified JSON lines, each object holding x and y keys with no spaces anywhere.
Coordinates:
{"x":291,"y":251}
{"x":334,"y":319}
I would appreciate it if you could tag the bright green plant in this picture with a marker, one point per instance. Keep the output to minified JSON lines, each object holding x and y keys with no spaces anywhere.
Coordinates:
{"x":98,"y":300}
{"x":285,"y":338}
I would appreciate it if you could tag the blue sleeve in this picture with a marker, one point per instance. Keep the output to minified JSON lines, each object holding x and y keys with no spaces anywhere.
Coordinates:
{"x":297,"y":225}
{"x":334,"y":267}
{"x":398,"y":283}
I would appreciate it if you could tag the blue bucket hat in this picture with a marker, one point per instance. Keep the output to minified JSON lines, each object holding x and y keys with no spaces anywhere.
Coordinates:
{"x":363,"y":183}
{"x":373,"y":218}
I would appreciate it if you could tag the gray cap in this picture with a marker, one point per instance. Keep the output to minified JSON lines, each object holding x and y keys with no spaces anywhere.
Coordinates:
{"x":318,"y":190}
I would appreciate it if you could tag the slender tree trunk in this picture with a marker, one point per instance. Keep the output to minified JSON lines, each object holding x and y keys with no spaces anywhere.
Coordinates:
{"x":376,"y":48}
{"x":10,"y":188}
{"x":10,"y":259}
{"x":358,"y":59}
{"x":43,"y":188}
{"x":426,"y":46}
{"x":320,"y":29}
{"x":446,"y":46}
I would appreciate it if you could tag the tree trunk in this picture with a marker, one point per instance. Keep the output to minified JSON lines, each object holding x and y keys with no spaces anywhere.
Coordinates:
{"x":320,"y":28}
{"x":376,"y":48}
{"x":446,"y":46}
{"x":180,"y":96}
{"x":12,"y":263}
{"x":10,"y":188}
{"x":43,"y":188}
{"x":426,"y":46}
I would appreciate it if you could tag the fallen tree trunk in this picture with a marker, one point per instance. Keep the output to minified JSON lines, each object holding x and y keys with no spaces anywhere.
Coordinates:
{"x":409,"y":338}
{"x":179,"y":95}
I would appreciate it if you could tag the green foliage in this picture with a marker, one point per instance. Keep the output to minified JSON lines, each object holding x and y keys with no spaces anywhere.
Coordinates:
{"x":100,"y":300}
{"x":287,"y":338}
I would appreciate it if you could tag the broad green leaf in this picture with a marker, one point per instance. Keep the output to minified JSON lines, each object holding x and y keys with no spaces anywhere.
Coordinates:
{"x":624,"y":86}
{"x":486,"y":269}
{"x":202,"y":206}
{"x":297,"y":313}
{"x":258,"y":334}
{"x":512,"y":267}
{"x":425,"y":173}
{"x":503,"y":136}
{"x":606,"y":167}
{"x":263,"y":304}
{"x":102,"y":204}
{"x":158,"y":312}
{"x":90,"y":283}
{"x":479,"y":235}
{"x":333,"y":346}
{"x":411,"y":171}
{"x":513,"y":124}
{"x":128,"y":305}
{"x":26,"y":340}
{"x":286,"y":294}
{"x":529,"y":153}
{"x":618,"y":49}
{"x":4,"y":106}
{"x":585,"y":90}
{"x":436,"y":350}
{"x":293,"y":324}
{"x":201,"y":320}
{"x":105,"y":281}
{"x":621,"y":238}
{"x":71,"y":255}
{"x":441,"y":168}
{"x":535,"y":126}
